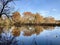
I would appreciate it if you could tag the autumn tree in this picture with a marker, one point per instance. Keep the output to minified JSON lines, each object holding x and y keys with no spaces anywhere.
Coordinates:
{"x":38,"y":18}
{"x":27,"y":33}
{"x":15,"y":32}
{"x":28,"y":17}
{"x":16,"y":17}
{"x":38,"y":29}
{"x":1,"y":30}
{"x":49,"y":20}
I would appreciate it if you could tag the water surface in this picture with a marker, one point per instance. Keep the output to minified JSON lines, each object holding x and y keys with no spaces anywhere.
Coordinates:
{"x":30,"y":35}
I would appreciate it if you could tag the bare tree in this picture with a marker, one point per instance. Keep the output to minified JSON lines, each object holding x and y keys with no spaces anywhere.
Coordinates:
{"x":7,"y":40}
{"x":4,"y":7}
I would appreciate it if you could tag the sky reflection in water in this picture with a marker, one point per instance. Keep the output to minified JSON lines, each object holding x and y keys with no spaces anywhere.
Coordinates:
{"x":32,"y":35}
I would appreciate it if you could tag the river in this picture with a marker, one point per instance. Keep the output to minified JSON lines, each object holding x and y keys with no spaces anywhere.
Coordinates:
{"x":30,"y":35}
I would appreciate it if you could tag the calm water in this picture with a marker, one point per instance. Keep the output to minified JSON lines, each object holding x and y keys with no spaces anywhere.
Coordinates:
{"x":30,"y":35}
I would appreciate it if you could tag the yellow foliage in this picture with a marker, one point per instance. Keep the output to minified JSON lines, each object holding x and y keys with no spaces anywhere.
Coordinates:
{"x":15,"y":32}
{"x":1,"y":30}
{"x":16,"y":16}
{"x":38,"y":29}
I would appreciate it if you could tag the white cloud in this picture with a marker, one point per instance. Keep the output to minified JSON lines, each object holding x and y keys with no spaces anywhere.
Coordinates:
{"x":48,"y":12}
{"x":44,"y":13}
{"x":54,"y":9}
{"x":51,"y":12}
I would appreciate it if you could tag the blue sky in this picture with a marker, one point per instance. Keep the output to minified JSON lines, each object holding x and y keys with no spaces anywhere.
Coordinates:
{"x":44,"y":7}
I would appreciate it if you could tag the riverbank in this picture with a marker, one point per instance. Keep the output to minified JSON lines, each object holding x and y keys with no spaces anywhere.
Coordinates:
{"x":35,"y":24}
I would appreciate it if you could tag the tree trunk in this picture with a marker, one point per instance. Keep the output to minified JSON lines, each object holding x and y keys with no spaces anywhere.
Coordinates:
{"x":0,"y":15}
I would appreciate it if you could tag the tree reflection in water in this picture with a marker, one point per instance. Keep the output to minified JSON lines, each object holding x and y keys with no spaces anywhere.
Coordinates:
{"x":8,"y":34}
{"x":6,"y":38}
